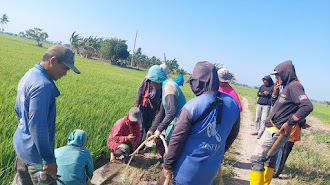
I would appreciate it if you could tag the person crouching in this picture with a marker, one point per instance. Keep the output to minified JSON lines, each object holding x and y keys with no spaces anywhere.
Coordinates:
{"x":75,"y":163}
{"x":125,"y":134}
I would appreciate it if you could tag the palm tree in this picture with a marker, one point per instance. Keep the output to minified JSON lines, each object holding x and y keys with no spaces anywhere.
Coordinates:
{"x":75,"y":39}
{"x":4,"y":20}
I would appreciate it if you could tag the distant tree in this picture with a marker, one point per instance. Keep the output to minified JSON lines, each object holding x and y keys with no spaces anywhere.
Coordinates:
{"x":141,"y":60}
{"x":172,"y":65}
{"x":74,"y":41}
{"x":327,"y":103}
{"x":218,"y":66}
{"x":114,"y":50}
{"x":3,"y":21}
{"x":90,"y":47}
{"x":37,"y":34}
{"x":21,"y":34}
{"x":155,"y":61}
{"x":181,"y":71}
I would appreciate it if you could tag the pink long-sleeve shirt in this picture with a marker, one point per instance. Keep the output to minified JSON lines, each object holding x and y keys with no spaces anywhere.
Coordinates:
{"x":231,"y":92}
{"x":120,"y":131}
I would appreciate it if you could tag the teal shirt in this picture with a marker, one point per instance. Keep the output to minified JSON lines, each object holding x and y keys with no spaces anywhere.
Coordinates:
{"x":75,"y":163}
{"x":181,"y":101}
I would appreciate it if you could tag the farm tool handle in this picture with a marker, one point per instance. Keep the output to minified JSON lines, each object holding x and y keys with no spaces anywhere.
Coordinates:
{"x":148,"y":139}
{"x":168,"y":178}
{"x":275,"y":145}
{"x":57,"y":177}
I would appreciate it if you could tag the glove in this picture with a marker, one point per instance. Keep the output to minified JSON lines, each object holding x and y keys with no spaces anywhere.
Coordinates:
{"x":157,"y":133}
{"x":149,"y":133}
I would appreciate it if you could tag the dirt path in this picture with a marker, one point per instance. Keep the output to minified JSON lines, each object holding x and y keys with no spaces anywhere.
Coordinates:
{"x":244,"y":148}
{"x":246,"y":142}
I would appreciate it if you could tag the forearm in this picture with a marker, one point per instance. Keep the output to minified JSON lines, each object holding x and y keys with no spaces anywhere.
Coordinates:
{"x":178,"y":139}
{"x":159,"y":118}
{"x":171,"y":112}
{"x":233,"y":134}
{"x":119,"y":139}
{"x":303,"y":111}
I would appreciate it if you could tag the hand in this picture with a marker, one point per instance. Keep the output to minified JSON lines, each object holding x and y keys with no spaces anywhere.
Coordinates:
{"x":266,"y":93}
{"x":130,"y":138}
{"x":167,"y":172}
{"x":286,"y":128}
{"x":276,"y":88}
{"x":50,"y":169}
{"x":149,"y":133}
{"x":157,"y":133}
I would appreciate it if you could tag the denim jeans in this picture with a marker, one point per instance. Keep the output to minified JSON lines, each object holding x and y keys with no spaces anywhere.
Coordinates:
{"x":262,"y":112}
{"x":258,"y":158}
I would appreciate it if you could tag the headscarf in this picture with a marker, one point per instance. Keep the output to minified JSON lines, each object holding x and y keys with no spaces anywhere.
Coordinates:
{"x":156,"y":74}
{"x":204,"y":79}
{"x":179,"y":80}
{"x":77,"y":138}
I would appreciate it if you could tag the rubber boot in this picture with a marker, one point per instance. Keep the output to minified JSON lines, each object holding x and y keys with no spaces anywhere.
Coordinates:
{"x":268,"y":175}
{"x":256,"y":178}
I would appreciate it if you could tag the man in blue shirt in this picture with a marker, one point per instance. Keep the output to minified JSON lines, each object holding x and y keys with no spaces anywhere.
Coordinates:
{"x":35,"y":108}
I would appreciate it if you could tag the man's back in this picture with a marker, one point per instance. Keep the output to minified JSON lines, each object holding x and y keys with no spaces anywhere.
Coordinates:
{"x":206,"y":138}
{"x":73,"y":164}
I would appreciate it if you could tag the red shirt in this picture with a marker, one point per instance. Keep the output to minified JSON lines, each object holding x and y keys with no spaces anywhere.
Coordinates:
{"x":120,"y":131}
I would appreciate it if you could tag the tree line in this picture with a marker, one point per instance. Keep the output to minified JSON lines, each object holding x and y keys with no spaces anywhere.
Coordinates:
{"x":115,"y":51}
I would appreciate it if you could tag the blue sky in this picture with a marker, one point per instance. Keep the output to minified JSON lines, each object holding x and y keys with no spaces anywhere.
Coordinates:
{"x":249,"y":37}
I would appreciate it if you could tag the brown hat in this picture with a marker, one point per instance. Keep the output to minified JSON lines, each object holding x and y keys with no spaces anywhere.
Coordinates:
{"x":64,"y":55}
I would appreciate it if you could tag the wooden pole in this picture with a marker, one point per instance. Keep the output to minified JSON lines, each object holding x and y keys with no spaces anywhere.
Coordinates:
{"x":134,"y":48}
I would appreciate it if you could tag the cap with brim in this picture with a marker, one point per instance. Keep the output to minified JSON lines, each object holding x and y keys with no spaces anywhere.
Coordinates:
{"x":273,"y":73}
{"x":134,"y":114}
{"x":224,"y":75}
{"x":64,"y":55}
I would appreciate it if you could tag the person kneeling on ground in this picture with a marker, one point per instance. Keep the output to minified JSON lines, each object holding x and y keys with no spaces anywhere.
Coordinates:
{"x":75,"y":163}
{"x":125,"y":134}
{"x":207,"y":125}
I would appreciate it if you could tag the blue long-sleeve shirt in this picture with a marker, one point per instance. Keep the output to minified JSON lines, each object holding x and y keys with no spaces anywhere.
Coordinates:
{"x":35,"y":108}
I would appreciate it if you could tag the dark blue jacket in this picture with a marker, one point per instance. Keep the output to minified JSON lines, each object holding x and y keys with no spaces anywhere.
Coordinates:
{"x":263,"y":99}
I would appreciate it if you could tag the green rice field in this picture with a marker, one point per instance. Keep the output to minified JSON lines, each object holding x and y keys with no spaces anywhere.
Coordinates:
{"x":91,"y":101}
